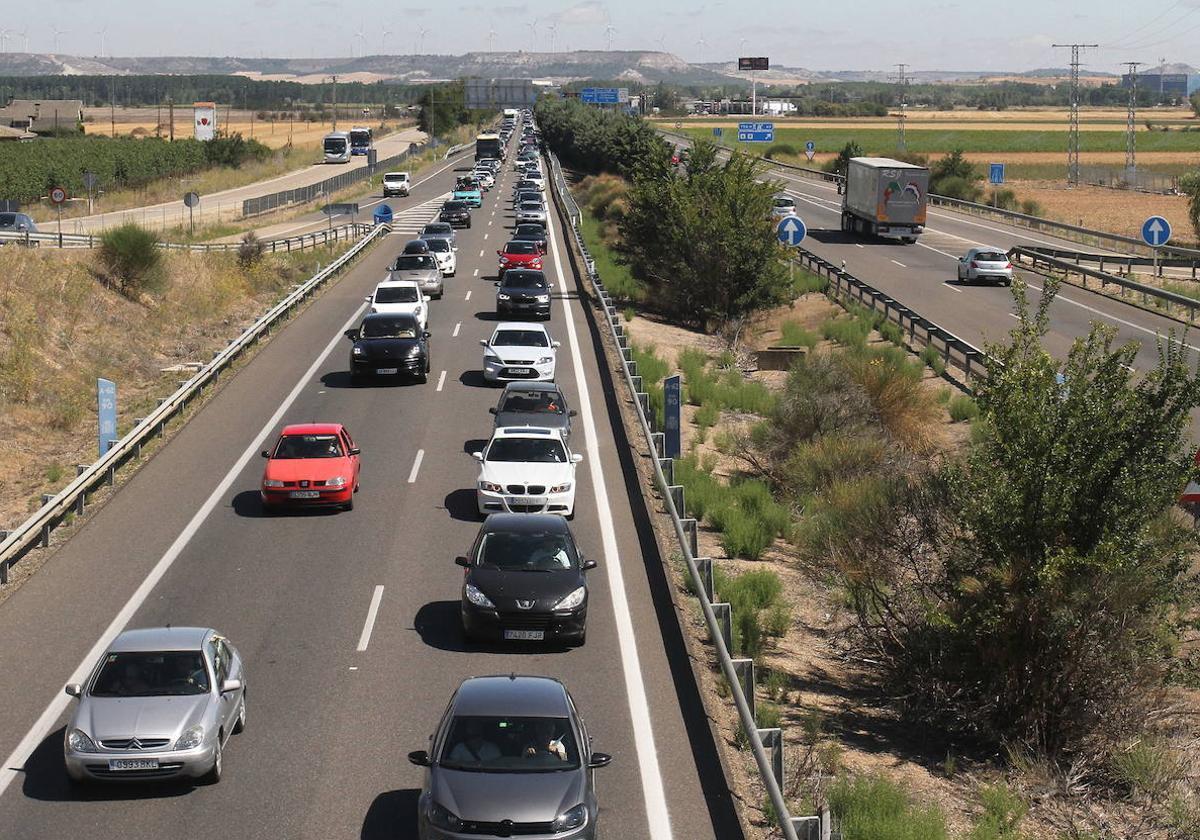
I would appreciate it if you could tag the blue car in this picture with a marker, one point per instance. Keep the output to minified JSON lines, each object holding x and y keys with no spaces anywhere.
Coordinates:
{"x":472,"y":197}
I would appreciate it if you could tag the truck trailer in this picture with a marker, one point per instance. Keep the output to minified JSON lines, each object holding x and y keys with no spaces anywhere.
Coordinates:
{"x":886,"y":198}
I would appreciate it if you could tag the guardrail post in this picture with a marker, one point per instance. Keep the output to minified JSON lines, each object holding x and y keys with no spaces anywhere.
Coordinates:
{"x":659,"y":440}
{"x":677,"y":499}
{"x":807,"y":828}
{"x":667,"y":465}
{"x":46,"y":527}
{"x":772,"y":739}
{"x":705,"y":566}
{"x":691,"y":528}
{"x":644,"y":400}
{"x":137,"y":447}
{"x":724,"y":614}
{"x":744,"y":668}
{"x":826,"y":823}
{"x":637,"y":381}
{"x":3,"y":563}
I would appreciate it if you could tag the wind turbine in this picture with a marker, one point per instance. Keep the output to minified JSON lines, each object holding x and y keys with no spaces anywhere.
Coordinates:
{"x":362,"y":36}
{"x":700,"y":45}
{"x":421,"y":33}
{"x":553,"y":30}
{"x":491,"y":39}
{"x":609,"y":30}
{"x":102,"y":32}
{"x":383,"y":41}
{"x":25,"y":36}
{"x":57,"y":32}
{"x":4,"y":33}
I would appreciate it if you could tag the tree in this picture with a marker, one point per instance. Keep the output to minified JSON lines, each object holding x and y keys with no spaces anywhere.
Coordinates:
{"x":841,"y":164}
{"x":956,"y":177}
{"x":1195,"y":103}
{"x":703,"y":241}
{"x":1189,"y":185}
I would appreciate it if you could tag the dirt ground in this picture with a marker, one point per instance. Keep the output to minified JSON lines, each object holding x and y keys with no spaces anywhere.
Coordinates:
{"x":1116,"y":211}
{"x":142,"y":122}
{"x":1090,"y":119}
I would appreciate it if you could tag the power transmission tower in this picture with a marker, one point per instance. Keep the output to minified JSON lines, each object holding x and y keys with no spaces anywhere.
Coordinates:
{"x":1131,"y":123}
{"x":1073,"y":127}
{"x":902,"y":115}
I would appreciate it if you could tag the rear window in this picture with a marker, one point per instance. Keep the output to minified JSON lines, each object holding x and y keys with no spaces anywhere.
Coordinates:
{"x":991,"y":256}
{"x":413,"y":262}
{"x":8,"y":219}
{"x":784,"y":202}
{"x":396,"y":294}
{"x":454,"y":205}
{"x":440,"y":246}
{"x":438,"y":227}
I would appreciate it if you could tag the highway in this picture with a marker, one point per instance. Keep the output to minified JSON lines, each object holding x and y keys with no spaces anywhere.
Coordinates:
{"x":340,"y":692}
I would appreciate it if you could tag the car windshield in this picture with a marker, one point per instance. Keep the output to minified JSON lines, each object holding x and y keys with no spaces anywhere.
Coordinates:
{"x":535,"y":402}
{"x":152,"y":674}
{"x":396,"y":294}
{"x":547,"y":450}
{"x":395,"y":178}
{"x":529,"y":232}
{"x":308,"y":446}
{"x":521,"y":551}
{"x":389,"y":328}
{"x":437,"y":228}
{"x":520,"y":338}
{"x":530,"y":206}
{"x":520,"y":248}
{"x":454,"y":205}
{"x":440,"y":246}
{"x":413,"y":262}
{"x":991,"y":256}
{"x":485,"y":744}
{"x":524,"y":280}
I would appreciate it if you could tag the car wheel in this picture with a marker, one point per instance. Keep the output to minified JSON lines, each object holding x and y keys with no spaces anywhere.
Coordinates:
{"x":571,"y":516}
{"x":239,"y":726}
{"x":214,"y":774}
{"x":468,"y":224}
{"x":1008,"y":281}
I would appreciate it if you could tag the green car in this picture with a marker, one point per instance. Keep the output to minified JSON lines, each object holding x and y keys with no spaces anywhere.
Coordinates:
{"x":472,"y":197}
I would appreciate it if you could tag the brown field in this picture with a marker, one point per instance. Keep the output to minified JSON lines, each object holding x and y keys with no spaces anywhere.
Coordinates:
{"x":1106,"y":119}
{"x":142,"y":121}
{"x":1116,"y":211}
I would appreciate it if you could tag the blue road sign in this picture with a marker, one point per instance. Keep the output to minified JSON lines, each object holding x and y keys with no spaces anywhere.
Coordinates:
{"x":600,"y":96}
{"x":791,"y":230}
{"x":756,"y":132}
{"x":996,"y":173}
{"x":1156,"y":231}
{"x":810,"y":146}
{"x":106,"y":414}
{"x":717,"y":131}
{"x":671,"y":408}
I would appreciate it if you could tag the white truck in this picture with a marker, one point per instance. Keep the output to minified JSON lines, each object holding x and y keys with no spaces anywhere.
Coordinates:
{"x":395,"y":183}
{"x":886,"y":198}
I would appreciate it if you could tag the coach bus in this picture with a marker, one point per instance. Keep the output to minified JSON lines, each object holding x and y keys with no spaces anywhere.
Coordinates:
{"x":337,"y":147}
{"x":360,"y":140}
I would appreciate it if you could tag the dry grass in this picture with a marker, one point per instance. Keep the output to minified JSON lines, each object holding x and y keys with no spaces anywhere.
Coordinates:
{"x":1115,"y":211}
{"x":276,"y":134}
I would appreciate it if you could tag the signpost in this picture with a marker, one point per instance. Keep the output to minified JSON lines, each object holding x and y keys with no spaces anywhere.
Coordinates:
{"x":671,"y":408}
{"x":1156,"y":231}
{"x":756,"y":132}
{"x":791,"y":232}
{"x":106,"y":414}
{"x":191,"y":199}
{"x":90,"y":181}
{"x":603,"y":96}
{"x":996,"y":174}
{"x":341,"y":209}
{"x":717,"y":132}
{"x":753,"y":63}
{"x":810,"y":150}
{"x":58,"y":197}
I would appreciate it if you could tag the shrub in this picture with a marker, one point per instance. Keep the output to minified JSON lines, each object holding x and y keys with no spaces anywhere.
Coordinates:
{"x":748,"y":595}
{"x":746,"y":536}
{"x":806,"y":282}
{"x":650,"y":366}
{"x":707,"y":416}
{"x":1003,"y":811}
{"x":250,"y":250}
{"x":1030,"y":207}
{"x":132,"y":259}
{"x":934,"y":359}
{"x":892,"y":332}
{"x":849,"y":332}
{"x":794,"y":335}
{"x":872,"y":808}
{"x":1146,"y":767}
{"x":778,"y":621}
{"x":963,"y":408}
{"x":817,"y":464}
{"x":893,"y":385}
{"x":778,"y":150}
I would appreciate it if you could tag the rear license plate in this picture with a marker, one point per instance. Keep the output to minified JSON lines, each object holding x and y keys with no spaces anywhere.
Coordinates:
{"x":520,"y":371}
{"x":384,"y":371}
{"x":304,"y":494}
{"x":132,"y":764}
{"x":522,"y":636}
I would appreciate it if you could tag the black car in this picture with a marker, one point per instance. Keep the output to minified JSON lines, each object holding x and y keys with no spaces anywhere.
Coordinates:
{"x":525,"y":581}
{"x":539,"y":404}
{"x":389,"y":345}
{"x":457,"y":213}
{"x":531,"y":232}
{"x":416,"y":246}
{"x":523,"y":290}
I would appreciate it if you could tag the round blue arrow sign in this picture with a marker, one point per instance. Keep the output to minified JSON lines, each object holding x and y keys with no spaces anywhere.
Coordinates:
{"x":810,"y":146}
{"x":791,"y":230}
{"x":1156,"y":231}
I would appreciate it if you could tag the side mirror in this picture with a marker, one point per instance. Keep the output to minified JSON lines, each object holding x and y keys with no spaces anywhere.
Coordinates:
{"x":589,"y":564}
{"x":576,"y":458}
{"x":421,"y":758}
{"x":499,"y":252}
{"x":356,"y":451}
{"x":426,"y":334}
{"x":231,"y":685}
{"x":367,"y":298}
{"x":462,"y":561}
{"x":556,"y":344}
{"x":492,"y":410}
{"x":352,"y":334}
{"x":599,"y":759}
{"x":73,"y":690}
{"x":483,"y":342}
{"x":478,"y":456}
{"x":266,"y":454}
{"x":572,"y":413}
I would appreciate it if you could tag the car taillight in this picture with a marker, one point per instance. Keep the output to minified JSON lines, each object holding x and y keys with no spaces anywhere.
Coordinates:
{"x":1008,"y":265}
{"x":974,"y":264}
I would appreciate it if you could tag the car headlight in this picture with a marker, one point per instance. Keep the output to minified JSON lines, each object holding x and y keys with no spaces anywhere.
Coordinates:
{"x":417,"y":312}
{"x":477,"y":598}
{"x":573,"y":818}
{"x":502,"y":296}
{"x":336,"y":481}
{"x":78,"y":741}
{"x":561,"y":488}
{"x":440,"y":817}
{"x":272,"y":482}
{"x":191,"y":738}
{"x":358,"y":351}
{"x":504,"y":260}
{"x":490,"y":487}
{"x":545,"y":360}
{"x":543,"y":298}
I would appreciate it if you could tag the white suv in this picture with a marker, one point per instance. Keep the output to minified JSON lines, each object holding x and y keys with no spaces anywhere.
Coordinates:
{"x":526,"y":469}
{"x":395,"y":183}
{"x":394,"y":296}
{"x":519,"y":351}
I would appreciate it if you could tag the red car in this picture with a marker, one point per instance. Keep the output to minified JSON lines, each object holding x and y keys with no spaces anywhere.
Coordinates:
{"x":520,"y":253}
{"x":311,"y":465}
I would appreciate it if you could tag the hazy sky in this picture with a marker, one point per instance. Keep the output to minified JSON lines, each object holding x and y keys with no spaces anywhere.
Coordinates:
{"x":967,"y":35}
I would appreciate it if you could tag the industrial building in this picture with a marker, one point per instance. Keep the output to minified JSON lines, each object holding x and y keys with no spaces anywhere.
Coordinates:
{"x":43,"y":116}
{"x":1167,"y":84}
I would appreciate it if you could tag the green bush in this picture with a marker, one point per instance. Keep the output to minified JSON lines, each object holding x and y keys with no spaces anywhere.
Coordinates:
{"x":806,"y":281}
{"x":848,"y":332}
{"x":748,"y":595}
{"x":817,"y":464}
{"x":250,"y":249}
{"x":746,"y":536}
{"x":132,"y":259}
{"x":934,"y":359}
{"x":872,"y":808}
{"x":963,"y":408}
{"x":890,"y":331}
{"x":1147,"y":767}
{"x":707,"y":416}
{"x":794,"y":335}
{"x":650,"y":366}
{"x":1003,"y":811}
{"x":778,"y":150}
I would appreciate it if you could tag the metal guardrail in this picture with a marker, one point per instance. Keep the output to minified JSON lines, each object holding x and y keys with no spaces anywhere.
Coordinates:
{"x":340,"y":233}
{"x":72,"y":499}
{"x":1128,"y":262}
{"x":453,"y":150}
{"x":718,"y":617}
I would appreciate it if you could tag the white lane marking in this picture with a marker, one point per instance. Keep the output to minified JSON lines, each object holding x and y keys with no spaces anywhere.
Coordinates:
{"x":412,"y":476}
{"x":935,"y":250}
{"x":481,"y":252}
{"x":1129,"y":324}
{"x":1014,"y":315}
{"x":369,"y":624}
{"x":457,"y":327}
{"x":468,"y":297}
{"x":489,"y":222}
{"x":476,"y":274}
{"x":485,"y":236}
{"x":655,"y":797}
{"x":858,"y":245}
{"x":441,"y":380}
{"x":897,"y":262}
{"x":15,"y":762}
{"x":952,"y":288}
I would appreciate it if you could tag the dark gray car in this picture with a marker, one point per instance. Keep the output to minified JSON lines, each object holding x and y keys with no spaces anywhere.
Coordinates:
{"x":511,"y":757}
{"x":540,"y":404}
{"x":440,"y":230}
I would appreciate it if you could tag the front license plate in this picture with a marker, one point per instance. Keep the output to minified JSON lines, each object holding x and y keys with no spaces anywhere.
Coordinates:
{"x":133,"y":764}
{"x":524,"y":636}
{"x":383,"y":371}
{"x":522,"y":501}
{"x":304,"y":494}
{"x":520,"y":371}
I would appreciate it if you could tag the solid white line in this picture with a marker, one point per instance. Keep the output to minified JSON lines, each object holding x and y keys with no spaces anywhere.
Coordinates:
{"x":468,"y":297}
{"x":1129,"y":324}
{"x":369,"y":625}
{"x":635,"y":688}
{"x":15,"y":763}
{"x":457,"y":327}
{"x":412,"y":476}
{"x":441,"y":380}
{"x":859,"y":245}
{"x":897,"y":262}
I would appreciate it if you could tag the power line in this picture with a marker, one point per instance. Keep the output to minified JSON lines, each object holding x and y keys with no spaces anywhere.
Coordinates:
{"x":1129,"y":35}
{"x":1167,"y":27}
{"x":1073,"y":128}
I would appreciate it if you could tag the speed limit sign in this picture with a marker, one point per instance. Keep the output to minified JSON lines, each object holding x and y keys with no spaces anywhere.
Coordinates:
{"x":58,"y":195}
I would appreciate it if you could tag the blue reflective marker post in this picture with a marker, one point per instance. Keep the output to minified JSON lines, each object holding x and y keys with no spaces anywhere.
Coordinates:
{"x":671,"y":410}
{"x":106,"y":414}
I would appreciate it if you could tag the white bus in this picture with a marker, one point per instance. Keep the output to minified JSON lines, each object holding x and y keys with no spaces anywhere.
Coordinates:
{"x":337,"y":147}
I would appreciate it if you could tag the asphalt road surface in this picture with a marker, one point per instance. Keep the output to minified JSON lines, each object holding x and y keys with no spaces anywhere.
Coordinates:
{"x":336,"y":700}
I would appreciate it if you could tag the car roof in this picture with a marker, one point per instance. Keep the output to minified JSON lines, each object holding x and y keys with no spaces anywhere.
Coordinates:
{"x":525,"y":432}
{"x":395,"y":175}
{"x":525,"y":523}
{"x":521,"y":325}
{"x":531,"y":386}
{"x":398,"y":284}
{"x":512,"y":695}
{"x":162,"y":638}
{"x":314,"y":428}
{"x":388,"y":316}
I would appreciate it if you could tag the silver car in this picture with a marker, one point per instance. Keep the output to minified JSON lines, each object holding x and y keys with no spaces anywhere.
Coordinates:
{"x":985,"y":265}
{"x":440,"y":230}
{"x":531,"y":211}
{"x":510,"y":758}
{"x":421,"y":269}
{"x":161,"y":703}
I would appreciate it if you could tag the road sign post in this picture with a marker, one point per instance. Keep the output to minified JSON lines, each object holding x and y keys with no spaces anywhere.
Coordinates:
{"x":191,"y":199}
{"x":810,"y":150}
{"x":1156,"y":232}
{"x":89,"y":182}
{"x":58,"y":196}
{"x":671,"y":410}
{"x":106,"y":414}
{"x":791,"y":232}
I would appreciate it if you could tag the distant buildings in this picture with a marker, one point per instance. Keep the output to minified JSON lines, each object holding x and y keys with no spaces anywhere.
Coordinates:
{"x":1180,"y":85}
{"x":45,"y":116}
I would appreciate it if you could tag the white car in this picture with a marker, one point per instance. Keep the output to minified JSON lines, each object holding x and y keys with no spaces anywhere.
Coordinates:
{"x":526,"y":469}
{"x":394,"y":296}
{"x":519,"y":351}
{"x":485,"y":177}
{"x":395,"y":183}
{"x":985,"y":265}
{"x":443,"y":252}
{"x":783,"y":206}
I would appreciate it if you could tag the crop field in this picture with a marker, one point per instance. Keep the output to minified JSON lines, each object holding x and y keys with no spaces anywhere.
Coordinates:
{"x":141,"y":122}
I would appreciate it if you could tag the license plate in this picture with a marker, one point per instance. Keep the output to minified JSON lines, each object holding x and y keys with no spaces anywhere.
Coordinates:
{"x":133,"y":764}
{"x":386,"y":370}
{"x":304,"y":494}
{"x":520,"y":371}
{"x":523,"y":501}
{"x":522,"y":636}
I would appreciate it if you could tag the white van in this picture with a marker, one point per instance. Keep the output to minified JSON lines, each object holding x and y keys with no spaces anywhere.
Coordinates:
{"x":395,"y":183}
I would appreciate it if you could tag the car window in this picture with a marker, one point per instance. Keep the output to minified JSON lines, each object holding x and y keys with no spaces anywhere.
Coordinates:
{"x":220,"y":661}
{"x":440,"y":246}
{"x":521,"y":551}
{"x":524,"y":280}
{"x":8,"y":219}
{"x":376,"y":327}
{"x":520,"y":338}
{"x":520,"y":248}
{"x":991,"y":256}
{"x":515,"y":744}
{"x":437,"y":227}
{"x":397,"y":294}
{"x":226,"y":653}
{"x":547,"y":450}
{"x":151,"y":674}
{"x":784,"y":202}
{"x":534,"y":402}
{"x":454,"y":205}
{"x":308,"y":446}
{"x":530,"y":205}
{"x":413,"y":262}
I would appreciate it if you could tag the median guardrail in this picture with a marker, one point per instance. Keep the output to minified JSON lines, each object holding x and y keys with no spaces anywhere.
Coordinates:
{"x":72,"y":499}
{"x":1125,"y":261}
{"x":324,"y":236}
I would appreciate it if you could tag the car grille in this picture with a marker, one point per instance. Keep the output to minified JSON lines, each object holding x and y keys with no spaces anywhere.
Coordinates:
{"x":507,"y":828}
{"x":142,"y":744}
{"x":163,"y":771}
{"x":525,"y":620}
{"x":526,"y":489}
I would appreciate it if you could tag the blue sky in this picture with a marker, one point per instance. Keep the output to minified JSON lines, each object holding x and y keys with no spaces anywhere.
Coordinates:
{"x":967,"y":35}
